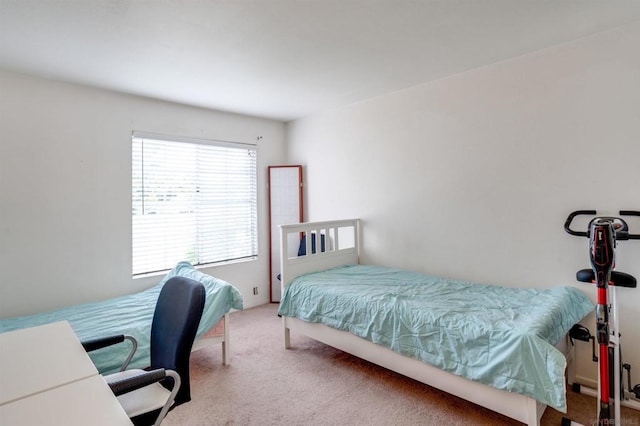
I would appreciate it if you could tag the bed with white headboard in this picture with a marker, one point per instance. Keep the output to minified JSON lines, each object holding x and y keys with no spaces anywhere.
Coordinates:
{"x":306,"y":256}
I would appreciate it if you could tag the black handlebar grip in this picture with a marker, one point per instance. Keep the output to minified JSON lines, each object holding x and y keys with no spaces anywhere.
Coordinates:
{"x":567,"y":223}
{"x":622,"y":235}
{"x":631,"y":213}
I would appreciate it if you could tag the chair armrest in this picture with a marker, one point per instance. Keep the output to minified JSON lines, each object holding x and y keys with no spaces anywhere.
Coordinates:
{"x":147,"y":378}
{"x":129,"y":384}
{"x":103,"y":342}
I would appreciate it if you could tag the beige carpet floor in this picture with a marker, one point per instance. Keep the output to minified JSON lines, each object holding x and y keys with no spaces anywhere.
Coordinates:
{"x":314,"y":384}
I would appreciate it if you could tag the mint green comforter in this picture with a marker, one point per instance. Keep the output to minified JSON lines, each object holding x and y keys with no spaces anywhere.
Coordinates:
{"x":132,"y":314}
{"x":500,"y":336}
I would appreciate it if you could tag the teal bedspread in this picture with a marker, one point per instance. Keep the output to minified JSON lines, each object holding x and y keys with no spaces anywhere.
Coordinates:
{"x":500,"y":336}
{"x":132,"y":314}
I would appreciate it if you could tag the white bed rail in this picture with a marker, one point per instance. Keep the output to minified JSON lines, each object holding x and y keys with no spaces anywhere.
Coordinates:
{"x":338,"y":245}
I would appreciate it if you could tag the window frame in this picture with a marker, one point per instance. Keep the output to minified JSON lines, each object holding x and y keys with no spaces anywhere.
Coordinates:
{"x":138,"y":267}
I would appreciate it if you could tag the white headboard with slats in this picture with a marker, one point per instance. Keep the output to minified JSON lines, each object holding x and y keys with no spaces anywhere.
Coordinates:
{"x":338,"y":245}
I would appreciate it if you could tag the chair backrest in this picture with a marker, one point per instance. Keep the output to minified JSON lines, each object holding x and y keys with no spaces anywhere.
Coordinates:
{"x":173,"y":330}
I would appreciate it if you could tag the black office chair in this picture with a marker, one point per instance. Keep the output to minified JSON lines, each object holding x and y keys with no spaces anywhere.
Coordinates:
{"x":147,"y":395}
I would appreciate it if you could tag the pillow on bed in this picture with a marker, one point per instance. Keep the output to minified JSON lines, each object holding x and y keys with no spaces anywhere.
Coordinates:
{"x":186,"y":269}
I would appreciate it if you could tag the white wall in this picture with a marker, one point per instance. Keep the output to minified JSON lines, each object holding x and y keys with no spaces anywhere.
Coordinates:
{"x":65,"y":190}
{"x":473,"y":176}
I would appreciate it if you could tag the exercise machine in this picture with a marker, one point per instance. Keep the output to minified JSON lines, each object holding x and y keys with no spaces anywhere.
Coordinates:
{"x":603,"y":233}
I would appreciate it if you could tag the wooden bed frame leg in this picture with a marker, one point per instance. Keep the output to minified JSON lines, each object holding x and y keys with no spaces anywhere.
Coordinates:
{"x":226,"y":354}
{"x":571,"y":366}
{"x":533,"y":412}
{"x":287,"y":335}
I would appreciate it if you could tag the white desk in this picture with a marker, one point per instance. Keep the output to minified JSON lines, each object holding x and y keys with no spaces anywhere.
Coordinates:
{"x":37,"y":359}
{"x":85,"y":402}
{"x":46,"y":377}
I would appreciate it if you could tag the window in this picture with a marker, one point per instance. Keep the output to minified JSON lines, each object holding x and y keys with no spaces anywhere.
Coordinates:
{"x":192,"y":200}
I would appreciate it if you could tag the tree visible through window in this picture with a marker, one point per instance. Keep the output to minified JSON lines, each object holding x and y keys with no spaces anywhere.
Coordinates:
{"x":192,"y":200}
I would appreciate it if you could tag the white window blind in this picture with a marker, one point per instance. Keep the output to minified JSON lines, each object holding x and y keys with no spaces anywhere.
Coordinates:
{"x":192,"y":201}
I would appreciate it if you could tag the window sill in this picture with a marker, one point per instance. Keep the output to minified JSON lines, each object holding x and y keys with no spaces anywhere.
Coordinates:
{"x":202,"y":266}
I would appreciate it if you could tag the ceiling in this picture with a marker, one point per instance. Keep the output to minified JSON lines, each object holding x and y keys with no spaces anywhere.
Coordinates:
{"x":283,"y":59}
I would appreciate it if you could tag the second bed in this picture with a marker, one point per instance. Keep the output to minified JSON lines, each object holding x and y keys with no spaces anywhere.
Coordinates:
{"x":132,"y":314}
{"x":495,"y":346}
